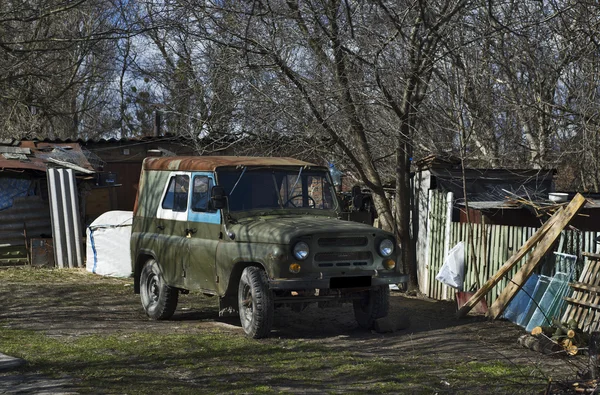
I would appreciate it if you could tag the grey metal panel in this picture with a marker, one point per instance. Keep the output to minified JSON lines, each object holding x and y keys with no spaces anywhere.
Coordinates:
{"x":66,"y":224}
{"x":67,"y":220}
{"x":15,"y":150}
{"x":56,"y":214}
{"x":74,"y":214}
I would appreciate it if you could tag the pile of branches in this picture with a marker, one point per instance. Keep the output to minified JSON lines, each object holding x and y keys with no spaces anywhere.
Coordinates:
{"x":572,"y":387}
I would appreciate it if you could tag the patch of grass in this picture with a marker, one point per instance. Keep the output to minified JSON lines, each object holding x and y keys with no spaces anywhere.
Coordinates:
{"x":520,"y":379}
{"x":31,"y":274}
{"x":492,"y":370}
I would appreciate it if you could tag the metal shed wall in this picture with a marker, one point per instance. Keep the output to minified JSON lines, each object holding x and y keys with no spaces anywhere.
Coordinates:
{"x":27,"y":213}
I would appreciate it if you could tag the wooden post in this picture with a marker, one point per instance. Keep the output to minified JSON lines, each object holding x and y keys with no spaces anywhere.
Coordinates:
{"x":427,"y":283}
{"x":447,"y":228}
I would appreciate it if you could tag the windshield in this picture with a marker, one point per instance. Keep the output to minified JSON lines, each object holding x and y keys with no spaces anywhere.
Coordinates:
{"x":276,"y":189}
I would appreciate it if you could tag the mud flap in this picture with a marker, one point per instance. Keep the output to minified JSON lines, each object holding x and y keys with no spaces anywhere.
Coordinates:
{"x":228,"y":306}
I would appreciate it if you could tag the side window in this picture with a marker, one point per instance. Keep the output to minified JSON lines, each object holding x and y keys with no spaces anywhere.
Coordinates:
{"x":177,"y":194}
{"x":201,"y":194}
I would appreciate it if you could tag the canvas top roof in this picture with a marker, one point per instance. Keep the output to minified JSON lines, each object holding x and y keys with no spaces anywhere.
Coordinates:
{"x":211,"y":163}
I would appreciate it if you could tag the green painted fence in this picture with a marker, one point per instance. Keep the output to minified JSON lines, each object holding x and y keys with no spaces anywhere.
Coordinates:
{"x":492,"y":246}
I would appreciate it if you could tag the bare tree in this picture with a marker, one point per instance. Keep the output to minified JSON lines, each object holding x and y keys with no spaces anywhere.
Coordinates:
{"x":351,"y":75}
{"x":56,"y":67}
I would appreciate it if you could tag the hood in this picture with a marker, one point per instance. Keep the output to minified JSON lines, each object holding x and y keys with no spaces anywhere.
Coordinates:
{"x":281,"y":230}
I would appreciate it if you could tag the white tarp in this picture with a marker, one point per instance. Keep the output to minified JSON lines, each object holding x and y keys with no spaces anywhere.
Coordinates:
{"x":107,"y":245}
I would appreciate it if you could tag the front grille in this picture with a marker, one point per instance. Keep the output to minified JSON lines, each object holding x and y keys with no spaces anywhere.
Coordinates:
{"x":343,"y":256}
{"x":343,"y":241}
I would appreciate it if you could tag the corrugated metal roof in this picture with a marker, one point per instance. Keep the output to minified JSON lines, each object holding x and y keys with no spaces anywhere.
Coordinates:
{"x":36,"y":156}
{"x":149,"y":138}
{"x":524,"y":175}
{"x":504,"y":205}
{"x":511,"y":204}
{"x":211,"y":163}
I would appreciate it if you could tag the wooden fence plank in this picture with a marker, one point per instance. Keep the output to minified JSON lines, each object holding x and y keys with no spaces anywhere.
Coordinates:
{"x":582,"y":303}
{"x":590,"y":317}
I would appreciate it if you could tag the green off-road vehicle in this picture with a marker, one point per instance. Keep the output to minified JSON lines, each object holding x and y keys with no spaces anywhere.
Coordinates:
{"x":258,"y":233}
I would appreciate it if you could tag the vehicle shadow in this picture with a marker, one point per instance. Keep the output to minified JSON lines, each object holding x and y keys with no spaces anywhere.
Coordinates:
{"x":407,"y":316}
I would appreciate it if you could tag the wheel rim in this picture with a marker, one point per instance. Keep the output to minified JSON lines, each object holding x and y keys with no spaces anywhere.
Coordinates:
{"x":152,"y":290}
{"x":246,"y":305}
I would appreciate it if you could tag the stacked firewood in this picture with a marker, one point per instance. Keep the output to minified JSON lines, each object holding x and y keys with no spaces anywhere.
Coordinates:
{"x":558,"y":338}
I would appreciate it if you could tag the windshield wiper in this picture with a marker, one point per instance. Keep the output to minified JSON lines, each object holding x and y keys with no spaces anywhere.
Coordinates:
{"x":237,"y":182}
{"x":297,"y":179}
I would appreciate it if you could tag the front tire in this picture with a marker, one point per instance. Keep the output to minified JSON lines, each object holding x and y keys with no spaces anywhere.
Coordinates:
{"x":375,"y":304}
{"x":158,"y":299}
{"x":255,"y":303}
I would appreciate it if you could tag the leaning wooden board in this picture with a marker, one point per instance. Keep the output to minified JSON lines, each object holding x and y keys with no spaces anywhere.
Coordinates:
{"x":508,"y":293}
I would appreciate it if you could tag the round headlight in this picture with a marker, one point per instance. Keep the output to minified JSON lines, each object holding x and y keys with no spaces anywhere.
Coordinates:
{"x":386,"y":247}
{"x":301,"y":250}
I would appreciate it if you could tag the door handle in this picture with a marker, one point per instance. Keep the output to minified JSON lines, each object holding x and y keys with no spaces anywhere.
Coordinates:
{"x":160,"y":227}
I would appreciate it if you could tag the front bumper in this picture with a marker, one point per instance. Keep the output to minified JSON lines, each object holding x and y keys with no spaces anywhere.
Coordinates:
{"x":358,"y":280}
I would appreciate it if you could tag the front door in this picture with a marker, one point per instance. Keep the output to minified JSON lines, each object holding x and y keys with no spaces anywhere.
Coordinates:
{"x":171,"y":227}
{"x":204,"y":228}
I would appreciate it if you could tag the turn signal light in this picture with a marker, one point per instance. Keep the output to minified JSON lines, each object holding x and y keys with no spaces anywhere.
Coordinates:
{"x":389,"y":264}
{"x":295,"y":268}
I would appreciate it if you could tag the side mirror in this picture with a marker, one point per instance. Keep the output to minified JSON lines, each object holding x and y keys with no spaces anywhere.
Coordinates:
{"x":218,"y":197}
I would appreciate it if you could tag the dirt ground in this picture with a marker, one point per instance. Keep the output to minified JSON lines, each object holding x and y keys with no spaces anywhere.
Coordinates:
{"x":65,"y":310}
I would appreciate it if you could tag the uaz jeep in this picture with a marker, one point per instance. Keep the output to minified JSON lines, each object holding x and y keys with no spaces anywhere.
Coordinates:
{"x":259,"y":233}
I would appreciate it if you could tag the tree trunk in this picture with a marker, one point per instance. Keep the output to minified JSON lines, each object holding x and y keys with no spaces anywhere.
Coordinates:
{"x":403,"y":191}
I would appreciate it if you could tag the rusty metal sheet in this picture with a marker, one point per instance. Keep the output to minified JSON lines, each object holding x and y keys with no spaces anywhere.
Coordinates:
{"x":31,"y":164}
{"x":39,"y":153}
{"x":211,"y":163}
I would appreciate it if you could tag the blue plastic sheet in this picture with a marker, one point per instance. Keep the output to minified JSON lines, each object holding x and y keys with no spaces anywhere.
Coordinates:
{"x":11,"y":188}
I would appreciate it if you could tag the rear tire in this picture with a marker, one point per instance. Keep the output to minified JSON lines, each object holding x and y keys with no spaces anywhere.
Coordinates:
{"x":375,"y":304}
{"x":255,"y":303}
{"x":158,"y":299}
